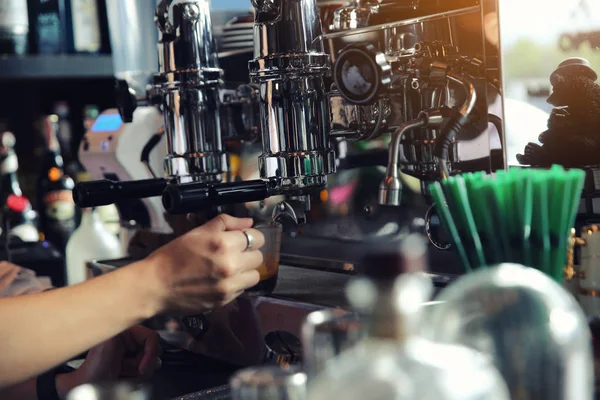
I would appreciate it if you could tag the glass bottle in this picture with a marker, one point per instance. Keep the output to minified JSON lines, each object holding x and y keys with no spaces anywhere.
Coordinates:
{"x":55,"y":191}
{"x":18,"y":217}
{"x":528,"y":325}
{"x":91,"y":241}
{"x":393,"y":362}
{"x":14,"y":27}
{"x":67,"y":26}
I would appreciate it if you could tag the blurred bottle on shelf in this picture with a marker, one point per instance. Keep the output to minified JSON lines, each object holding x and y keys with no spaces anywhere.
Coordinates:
{"x":19,"y":218}
{"x":14,"y":27}
{"x":91,"y":241}
{"x":85,"y":18}
{"x":90,"y":113}
{"x":65,"y":133}
{"x":55,"y":191}
{"x":49,"y":26}
{"x":68,"y":26}
{"x":74,"y":167}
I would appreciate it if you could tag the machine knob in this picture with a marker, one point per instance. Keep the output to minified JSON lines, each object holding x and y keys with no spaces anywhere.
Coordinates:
{"x":362,"y":73}
{"x":126,"y":100}
{"x":282,"y":348}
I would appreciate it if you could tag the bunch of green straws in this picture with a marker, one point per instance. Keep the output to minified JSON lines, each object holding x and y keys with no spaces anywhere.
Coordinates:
{"x":521,"y":216}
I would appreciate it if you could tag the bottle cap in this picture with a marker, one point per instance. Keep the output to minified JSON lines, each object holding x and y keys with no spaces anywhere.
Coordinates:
{"x":17,"y":204}
{"x":7,"y":140}
{"x":386,"y":261}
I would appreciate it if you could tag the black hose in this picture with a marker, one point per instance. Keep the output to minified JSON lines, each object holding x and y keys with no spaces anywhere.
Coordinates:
{"x":447,"y":136}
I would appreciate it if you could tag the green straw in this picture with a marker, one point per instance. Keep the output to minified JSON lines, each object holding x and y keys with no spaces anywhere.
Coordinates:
{"x":458,"y":201}
{"x":521,"y":215}
{"x":540,"y":235}
{"x":576,"y":179}
{"x":448,"y":222}
{"x":522,"y":196}
{"x":503,"y":216}
{"x":484,"y":220}
{"x":558,"y":195}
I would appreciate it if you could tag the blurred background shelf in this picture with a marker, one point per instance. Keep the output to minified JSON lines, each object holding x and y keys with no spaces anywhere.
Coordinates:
{"x":55,"y":67}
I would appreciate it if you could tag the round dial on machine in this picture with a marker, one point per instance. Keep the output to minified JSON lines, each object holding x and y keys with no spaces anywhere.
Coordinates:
{"x":362,"y":73}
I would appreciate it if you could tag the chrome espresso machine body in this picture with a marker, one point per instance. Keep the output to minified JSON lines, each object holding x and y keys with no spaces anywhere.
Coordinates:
{"x":403,"y":69}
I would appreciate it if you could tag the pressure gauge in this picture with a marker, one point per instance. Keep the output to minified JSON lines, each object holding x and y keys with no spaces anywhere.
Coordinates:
{"x":362,"y":73}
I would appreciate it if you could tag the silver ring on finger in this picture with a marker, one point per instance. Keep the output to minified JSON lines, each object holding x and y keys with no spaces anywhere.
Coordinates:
{"x":250,"y":240}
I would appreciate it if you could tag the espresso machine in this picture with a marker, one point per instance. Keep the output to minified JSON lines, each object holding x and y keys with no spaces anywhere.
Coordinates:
{"x":411,"y":72}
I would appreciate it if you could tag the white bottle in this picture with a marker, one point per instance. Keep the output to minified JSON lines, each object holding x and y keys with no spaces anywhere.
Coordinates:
{"x":86,"y":26}
{"x":91,"y":241}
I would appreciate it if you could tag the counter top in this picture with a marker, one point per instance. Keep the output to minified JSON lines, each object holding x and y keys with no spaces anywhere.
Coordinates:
{"x":185,"y":375}
{"x":217,"y":393}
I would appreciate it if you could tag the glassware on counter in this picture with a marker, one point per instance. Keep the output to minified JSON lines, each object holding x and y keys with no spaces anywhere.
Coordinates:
{"x":325,"y":335}
{"x":268,"y":383}
{"x":392,"y":362}
{"x":116,"y":391}
{"x":533,"y":330}
{"x":269,"y":270}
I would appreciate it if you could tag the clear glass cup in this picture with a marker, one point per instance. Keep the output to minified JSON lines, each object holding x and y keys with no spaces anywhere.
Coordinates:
{"x":268,"y":383}
{"x":110,"y":391}
{"x":269,"y":270}
{"x":325,"y":335}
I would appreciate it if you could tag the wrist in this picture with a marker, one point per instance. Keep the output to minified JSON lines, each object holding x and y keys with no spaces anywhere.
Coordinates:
{"x":149,"y":286}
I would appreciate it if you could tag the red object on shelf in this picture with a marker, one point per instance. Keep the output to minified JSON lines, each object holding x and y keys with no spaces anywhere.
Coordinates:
{"x":17,"y":204}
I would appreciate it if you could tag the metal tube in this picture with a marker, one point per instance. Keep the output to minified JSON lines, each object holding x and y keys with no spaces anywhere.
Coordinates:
{"x":471,"y":100}
{"x":390,"y":190}
{"x":405,"y":22}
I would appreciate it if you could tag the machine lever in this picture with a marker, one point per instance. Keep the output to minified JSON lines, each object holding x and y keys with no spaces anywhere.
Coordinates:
{"x":126,"y":100}
{"x":105,"y":192}
{"x":192,"y":197}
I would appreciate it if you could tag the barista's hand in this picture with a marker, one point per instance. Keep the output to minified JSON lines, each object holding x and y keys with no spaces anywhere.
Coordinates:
{"x":134,"y":354}
{"x":207,"y":267}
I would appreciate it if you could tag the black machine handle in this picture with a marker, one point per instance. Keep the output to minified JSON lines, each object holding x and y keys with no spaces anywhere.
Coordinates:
{"x":105,"y":192}
{"x":192,"y":197}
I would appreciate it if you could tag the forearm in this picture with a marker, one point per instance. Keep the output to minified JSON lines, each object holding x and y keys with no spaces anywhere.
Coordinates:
{"x":22,"y":391}
{"x":43,"y":330}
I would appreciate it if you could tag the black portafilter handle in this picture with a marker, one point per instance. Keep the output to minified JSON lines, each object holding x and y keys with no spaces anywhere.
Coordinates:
{"x":192,"y":197}
{"x":105,"y":192}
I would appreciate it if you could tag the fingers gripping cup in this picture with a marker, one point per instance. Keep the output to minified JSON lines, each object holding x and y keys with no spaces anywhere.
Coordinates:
{"x":269,"y":269}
